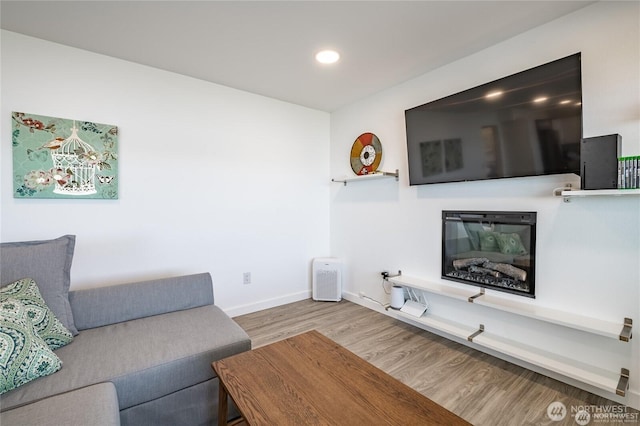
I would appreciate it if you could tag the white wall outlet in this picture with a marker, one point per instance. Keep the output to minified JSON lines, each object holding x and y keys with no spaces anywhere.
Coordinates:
{"x":246,"y":278}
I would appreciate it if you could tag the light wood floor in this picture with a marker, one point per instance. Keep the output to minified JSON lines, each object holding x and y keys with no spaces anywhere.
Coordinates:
{"x":480,"y":388}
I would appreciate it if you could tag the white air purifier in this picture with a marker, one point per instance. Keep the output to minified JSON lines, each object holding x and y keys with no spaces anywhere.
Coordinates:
{"x":326,"y":279}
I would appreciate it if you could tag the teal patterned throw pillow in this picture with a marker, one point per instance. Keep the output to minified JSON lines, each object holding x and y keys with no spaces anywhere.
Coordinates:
{"x":24,"y":356}
{"x":511,"y":244}
{"x":48,"y":327}
{"x":488,"y":241}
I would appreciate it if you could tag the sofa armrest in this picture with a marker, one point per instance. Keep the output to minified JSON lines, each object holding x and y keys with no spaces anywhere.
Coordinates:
{"x":101,"y":306}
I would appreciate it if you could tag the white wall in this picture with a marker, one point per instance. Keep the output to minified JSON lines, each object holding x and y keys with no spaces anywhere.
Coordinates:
{"x":215,"y":179}
{"x":211,"y":178}
{"x":588,"y":258}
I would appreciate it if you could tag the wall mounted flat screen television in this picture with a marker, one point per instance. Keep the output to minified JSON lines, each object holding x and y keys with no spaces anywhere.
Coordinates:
{"x":526,"y":124}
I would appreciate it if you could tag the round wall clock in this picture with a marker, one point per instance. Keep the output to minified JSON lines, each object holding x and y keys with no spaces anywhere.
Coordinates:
{"x":366,"y":154}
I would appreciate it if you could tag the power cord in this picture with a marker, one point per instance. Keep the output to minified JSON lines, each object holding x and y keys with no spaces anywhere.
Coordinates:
{"x":385,"y":277}
{"x":385,"y":306}
{"x":384,"y":287}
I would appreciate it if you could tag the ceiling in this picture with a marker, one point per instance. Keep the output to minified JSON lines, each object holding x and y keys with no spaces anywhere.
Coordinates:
{"x":268,"y":47}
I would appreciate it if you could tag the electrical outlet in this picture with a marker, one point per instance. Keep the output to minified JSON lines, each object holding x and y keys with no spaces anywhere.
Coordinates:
{"x":246,"y":278}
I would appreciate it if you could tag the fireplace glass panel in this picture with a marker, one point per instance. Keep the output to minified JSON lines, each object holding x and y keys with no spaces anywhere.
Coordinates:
{"x":493,"y":250}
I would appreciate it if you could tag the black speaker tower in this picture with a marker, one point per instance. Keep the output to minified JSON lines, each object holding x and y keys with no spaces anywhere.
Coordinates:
{"x":599,"y":162}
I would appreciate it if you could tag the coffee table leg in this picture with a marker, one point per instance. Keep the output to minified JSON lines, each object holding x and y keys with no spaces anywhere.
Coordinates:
{"x":222,"y":404}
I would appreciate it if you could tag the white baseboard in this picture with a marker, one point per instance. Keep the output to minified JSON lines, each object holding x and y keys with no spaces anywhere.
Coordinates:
{"x":260,"y":305}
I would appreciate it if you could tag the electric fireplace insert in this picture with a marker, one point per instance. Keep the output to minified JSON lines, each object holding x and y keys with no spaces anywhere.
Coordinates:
{"x":494,"y":250}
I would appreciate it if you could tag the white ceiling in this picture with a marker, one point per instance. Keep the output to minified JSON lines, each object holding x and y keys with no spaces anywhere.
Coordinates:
{"x":268,"y":47}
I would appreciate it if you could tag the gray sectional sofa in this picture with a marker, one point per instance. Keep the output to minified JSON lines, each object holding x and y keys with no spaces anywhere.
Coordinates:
{"x":141,"y":356}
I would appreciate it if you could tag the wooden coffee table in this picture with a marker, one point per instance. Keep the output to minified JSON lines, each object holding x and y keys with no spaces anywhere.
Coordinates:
{"x":310,"y":379}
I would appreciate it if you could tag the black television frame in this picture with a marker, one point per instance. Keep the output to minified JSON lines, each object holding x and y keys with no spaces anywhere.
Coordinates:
{"x":549,"y":155}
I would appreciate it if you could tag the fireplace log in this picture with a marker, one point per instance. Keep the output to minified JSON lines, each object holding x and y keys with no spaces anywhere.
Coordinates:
{"x":484,"y":271}
{"x":472,"y":261}
{"x":507,"y":269}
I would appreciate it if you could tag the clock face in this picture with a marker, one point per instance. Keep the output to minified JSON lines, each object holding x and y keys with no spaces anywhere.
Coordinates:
{"x":366,"y":154}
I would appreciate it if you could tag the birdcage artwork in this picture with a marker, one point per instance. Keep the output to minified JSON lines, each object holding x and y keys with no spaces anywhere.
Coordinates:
{"x":62,"y":158}
{"x":77,"y":159}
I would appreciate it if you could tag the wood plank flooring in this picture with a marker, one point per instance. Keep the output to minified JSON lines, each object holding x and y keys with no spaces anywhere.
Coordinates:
{"x":480,"y":388}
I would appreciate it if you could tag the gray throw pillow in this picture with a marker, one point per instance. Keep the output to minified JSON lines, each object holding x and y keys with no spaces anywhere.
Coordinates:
{"x":48,"y":263}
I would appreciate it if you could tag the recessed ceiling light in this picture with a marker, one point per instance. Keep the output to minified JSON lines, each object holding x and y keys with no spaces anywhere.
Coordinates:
{"x":327,"y":56}
{"x":494,"y":94}
{"x":540,"y":99}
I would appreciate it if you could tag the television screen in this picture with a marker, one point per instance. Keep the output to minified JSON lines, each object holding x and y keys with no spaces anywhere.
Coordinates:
{"x":526,"y":124}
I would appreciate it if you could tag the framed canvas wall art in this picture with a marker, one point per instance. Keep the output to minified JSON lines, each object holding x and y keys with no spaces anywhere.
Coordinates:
{"x":63,"y":158}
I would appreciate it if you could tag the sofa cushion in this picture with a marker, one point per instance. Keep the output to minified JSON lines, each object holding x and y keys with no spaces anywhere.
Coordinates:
{"x":24,"y":356}
{"x":95,"y":405}
{"x":195,"y":405}
{"x":146,"y":358}
{"x":95,"y":307}
{"x":48,"y":263}
{"x":45,"y":322}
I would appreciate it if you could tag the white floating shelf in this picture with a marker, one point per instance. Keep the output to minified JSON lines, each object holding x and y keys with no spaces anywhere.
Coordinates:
{"x":371,"y":176}
{"x":568,"y":194}
{"x":441,"y":324}
{"x":579,"y":322}
{"x":597,"y":326}
{"x":431,"y":287}
{"x":567,"y":367}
